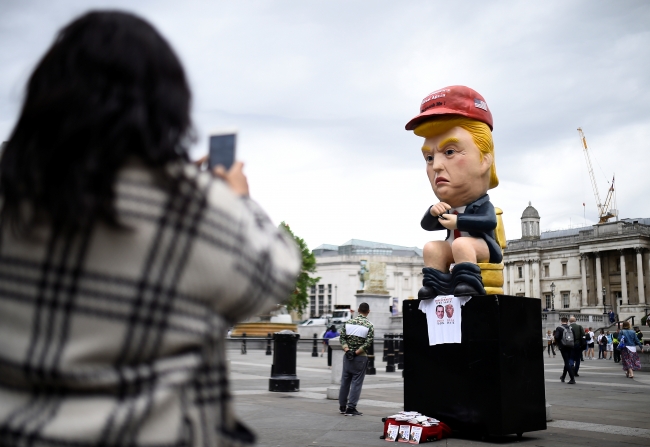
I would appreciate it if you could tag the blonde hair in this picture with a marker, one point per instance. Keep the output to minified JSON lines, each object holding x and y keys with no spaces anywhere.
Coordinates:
{"x":480,"y":132}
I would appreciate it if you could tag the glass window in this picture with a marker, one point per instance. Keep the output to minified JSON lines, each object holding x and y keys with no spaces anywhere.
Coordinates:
{"x":329,"y":304}
{"x":321,"y":304}
{"x":564,"y":269}
{"x":312,"y":305}
{"x":329,"y":288}
{"x":565,"y":300}
{"x":546,"y":275}
{"x":549,"y":304}
{"x":520,"y":272}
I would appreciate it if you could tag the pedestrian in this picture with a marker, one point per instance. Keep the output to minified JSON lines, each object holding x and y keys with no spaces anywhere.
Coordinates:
{"x":602,"y":345}
{"x":579,"y":342}
{"x":629,"y":357}
{"x":589,"y":336}
{"x":610,"y":345}
{"x":331,"y":333}
{"x":639,"y":334}
{"x":617,"y":352}
{"x":550,"y":341}
{"x":565,"y":340}
{"x":122,"y":264}
{"x":611,"y":316}
{"x":357,"y":335}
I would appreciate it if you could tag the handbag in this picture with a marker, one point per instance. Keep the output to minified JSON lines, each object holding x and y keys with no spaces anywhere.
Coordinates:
{"x":621,"y":343}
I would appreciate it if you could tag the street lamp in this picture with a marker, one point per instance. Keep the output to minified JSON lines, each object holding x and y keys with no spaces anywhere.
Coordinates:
{"x":553,"y":296}
{"x":604,"y":298}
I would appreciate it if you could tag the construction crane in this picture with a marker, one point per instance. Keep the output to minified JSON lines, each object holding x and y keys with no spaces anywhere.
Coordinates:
{"x":604,"y":213}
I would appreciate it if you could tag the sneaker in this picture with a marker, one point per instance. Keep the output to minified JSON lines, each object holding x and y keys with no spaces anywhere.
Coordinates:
{"x":342,"y":410}
{"x":571,"y":382}
{"x":561,"y":379}
{"x":352,"y":412}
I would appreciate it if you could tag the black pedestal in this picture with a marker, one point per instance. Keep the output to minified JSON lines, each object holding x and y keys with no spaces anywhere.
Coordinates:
{"x":283,"y":371}
{"x":492,"y":383}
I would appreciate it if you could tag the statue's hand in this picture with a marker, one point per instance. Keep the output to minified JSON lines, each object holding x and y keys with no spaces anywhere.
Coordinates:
{"x":449,"y":221}
{"x":439,"y":208}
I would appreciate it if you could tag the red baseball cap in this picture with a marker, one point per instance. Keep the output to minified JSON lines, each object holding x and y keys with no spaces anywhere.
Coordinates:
{"x":453,"y":100}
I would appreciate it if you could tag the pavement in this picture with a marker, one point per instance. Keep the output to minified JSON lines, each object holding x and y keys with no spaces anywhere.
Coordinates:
{"x":604,"y":408}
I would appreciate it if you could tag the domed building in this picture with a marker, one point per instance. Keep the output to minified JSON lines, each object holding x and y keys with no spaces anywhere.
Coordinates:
{"x":587,"y":270}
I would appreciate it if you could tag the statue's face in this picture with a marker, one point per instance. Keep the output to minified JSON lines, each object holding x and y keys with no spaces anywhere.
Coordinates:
{"x":456,"y":172}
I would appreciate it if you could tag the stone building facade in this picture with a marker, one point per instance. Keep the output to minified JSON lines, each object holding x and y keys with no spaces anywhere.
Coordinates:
{"x":342,"y":269}
{"x":588,"y":270}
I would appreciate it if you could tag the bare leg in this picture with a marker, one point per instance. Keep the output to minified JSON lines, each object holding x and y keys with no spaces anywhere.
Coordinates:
{"x":437,"y":255}
{"x":470,"y":249}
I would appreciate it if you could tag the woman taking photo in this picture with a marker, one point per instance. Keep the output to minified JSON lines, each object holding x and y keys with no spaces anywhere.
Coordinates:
{"x":122,"y":265}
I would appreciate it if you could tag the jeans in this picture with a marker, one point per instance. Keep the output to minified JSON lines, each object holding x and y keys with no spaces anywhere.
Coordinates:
{"x":550,"y":348}
{"x":574,"y":362}
{"x":354,"y":371}
{"x":601,"y":351}
{"x":566,"y":356}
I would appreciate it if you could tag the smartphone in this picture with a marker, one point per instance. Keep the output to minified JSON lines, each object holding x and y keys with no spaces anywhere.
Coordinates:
{"x":222,"y":150}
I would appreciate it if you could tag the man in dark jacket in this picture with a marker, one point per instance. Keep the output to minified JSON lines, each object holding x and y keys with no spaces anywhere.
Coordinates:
{"x":564,"y":349}
{"x":578,"y":345}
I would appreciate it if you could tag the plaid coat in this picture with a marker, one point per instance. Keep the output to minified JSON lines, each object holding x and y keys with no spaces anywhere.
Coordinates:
{"x":116,"y":337}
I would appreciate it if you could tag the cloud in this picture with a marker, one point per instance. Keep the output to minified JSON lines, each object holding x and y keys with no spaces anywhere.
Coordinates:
{"x":320,"y":92}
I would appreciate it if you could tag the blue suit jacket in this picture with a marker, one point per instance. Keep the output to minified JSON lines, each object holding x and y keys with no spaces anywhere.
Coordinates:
{"x":479,"y":220}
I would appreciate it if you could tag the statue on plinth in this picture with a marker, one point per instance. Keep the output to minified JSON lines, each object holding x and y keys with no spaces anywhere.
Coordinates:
{"x":458,"y":149}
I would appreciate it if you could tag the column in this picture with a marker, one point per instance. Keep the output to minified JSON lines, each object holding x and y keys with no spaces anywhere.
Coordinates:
{"x":583,"y":264}
{"x":527,"y":278}
{"x":599,"y":280}
{"x":639,"y":273}
{"x":512,"y":278}
{"x":623,"y":277}
{"x":535,"y":293}
{"x":506,"y":279}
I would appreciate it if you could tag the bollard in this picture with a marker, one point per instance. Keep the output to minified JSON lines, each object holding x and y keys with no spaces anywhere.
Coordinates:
{"x":283,"y":371}
{"x":390,"y":357}
{"x":314,"y":351}
{"x":385,"y":356}
{"x":268,"y":344}
{"x":400,"y":352}
{"x":370,"y":370}
{"x":243,"y":343}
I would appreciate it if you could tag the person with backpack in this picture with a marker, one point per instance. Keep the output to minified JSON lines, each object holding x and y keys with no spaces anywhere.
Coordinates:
{"x":579,"y":343}
{"x":565,"y":341}
{"x":589,"y":336}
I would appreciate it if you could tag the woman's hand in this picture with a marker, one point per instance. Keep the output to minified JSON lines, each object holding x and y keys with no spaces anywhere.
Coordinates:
{"x":235,"y":178}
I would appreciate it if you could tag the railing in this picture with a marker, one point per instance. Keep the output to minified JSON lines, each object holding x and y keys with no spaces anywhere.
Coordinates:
{"x":393,"y":344}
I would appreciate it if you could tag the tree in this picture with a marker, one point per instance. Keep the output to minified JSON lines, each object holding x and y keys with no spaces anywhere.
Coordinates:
{"x":300,"y":297}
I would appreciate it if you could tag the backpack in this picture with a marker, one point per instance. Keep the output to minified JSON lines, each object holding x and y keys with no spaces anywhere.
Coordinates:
{"x":567,"y":337}
{"x":588,"y":337}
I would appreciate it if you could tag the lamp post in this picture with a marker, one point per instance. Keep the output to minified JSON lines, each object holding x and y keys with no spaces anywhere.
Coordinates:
{"x":604,"y":298}
{"x":553,"y":296}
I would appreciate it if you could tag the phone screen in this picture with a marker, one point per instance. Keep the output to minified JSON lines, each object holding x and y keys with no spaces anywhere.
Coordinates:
{"x":222,"y":150}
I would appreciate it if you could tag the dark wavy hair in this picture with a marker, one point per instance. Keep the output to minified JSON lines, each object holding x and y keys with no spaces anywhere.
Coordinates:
{"x":108,"y":89}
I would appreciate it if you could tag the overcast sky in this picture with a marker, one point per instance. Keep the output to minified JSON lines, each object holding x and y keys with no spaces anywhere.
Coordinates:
{"x":320,"y":92}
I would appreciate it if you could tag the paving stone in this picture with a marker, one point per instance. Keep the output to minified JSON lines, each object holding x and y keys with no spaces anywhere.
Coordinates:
{"x":307,"y":418}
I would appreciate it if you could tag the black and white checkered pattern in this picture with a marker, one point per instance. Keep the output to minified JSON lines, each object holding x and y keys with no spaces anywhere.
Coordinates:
{"x":116,"y":337}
